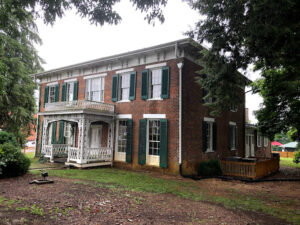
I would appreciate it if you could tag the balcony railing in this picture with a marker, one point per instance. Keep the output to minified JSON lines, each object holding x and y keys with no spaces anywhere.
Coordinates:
{"x":81,"y":104}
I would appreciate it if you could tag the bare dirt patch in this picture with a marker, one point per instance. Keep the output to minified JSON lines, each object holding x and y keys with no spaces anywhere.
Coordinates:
{"x":70,"y":201}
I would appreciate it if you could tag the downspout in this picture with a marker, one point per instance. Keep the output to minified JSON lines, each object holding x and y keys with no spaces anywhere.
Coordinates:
{"x":180,"y":65}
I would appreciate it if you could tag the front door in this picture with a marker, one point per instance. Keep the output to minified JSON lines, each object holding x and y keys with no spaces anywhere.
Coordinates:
{"x":95,"y":140}
{"x":249,"y":148}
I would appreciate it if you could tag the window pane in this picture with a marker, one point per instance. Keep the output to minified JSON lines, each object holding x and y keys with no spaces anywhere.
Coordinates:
{"x":153,"y":137}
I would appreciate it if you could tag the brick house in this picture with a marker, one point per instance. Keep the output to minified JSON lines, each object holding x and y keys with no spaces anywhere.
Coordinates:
{"x":140,"y":110}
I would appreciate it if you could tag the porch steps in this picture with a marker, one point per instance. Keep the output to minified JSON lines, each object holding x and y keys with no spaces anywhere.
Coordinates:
{"x":88,"y":165}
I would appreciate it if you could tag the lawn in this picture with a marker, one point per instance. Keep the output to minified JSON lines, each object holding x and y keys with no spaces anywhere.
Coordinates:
{"x":229,"y":195}
{"x":288,"y":162}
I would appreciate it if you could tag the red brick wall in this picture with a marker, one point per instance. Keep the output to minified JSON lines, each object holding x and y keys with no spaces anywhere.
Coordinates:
{"x":261,"y":151}
{"x":193,"y":113}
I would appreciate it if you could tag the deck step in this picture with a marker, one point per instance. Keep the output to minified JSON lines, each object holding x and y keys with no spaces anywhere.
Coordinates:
{"x":87,"y":165}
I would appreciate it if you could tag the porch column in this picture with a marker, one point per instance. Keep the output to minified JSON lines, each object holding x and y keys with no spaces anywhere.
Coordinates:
{"x":111,"y":140}
{"x":44,"y":137}
{"x":82,"y":140}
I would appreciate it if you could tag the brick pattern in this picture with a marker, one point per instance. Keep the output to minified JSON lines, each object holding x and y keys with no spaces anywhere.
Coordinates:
{"x":193,"y":113}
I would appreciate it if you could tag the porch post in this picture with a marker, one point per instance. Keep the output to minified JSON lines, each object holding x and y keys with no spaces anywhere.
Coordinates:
{"x":82,"y":140}
{"x":44,"y":135}
{"x":111,"y":141}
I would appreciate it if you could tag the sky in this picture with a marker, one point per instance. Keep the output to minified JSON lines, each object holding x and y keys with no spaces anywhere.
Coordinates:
{"x":73,"y":39}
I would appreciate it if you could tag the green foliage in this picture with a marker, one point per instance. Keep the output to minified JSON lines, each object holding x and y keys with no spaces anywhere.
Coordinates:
{"x":6,"y":137}
{"x":292,"y":134}
{"x":12,"y":161}
{"x":263,"y":33}
{"x":297,"y":157}
{"x":210,"y":168}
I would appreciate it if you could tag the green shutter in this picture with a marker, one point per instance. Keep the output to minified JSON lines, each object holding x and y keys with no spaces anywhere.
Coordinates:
{"x":42,"y":137}
{"x":46,"y":94}
{"x":165,"y":79}
{"x":61,"y":132}
{"x":204,"y":136}
{"x":142,"y":141}
{"x":163,"y":151}
{"x":75,"y":91}
{"x":63,"y":92}
{"x":132,"y":86}
{"x":129,"y":141}
{"x":214,"y":136}
{"x":114,"y":92}
{"x":56,"y":92}
{"x":53,"y":141}
{"x":144,"y":85}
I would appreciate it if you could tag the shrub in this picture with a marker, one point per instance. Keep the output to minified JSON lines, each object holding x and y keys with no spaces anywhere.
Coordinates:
{"x":297,"y":157}
{"x":6,"y":137}
{"x":210,"y":168}
{"x":12,"y":161}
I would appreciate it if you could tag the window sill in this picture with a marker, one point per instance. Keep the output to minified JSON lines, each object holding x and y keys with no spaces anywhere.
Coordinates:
{"x":233,"y":149}
{"x":123,"y":101}
{"x":155,"y":99}
{"x":209,"y":151}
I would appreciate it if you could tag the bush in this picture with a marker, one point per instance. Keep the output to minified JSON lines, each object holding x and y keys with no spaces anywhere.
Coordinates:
{"x":12,"y":161}
{"x":210,"y":168}
{"x":297,"y":157}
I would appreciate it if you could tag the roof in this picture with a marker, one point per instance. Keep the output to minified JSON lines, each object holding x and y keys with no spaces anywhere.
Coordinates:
{"x":182,"y":42}
{"x":290,"y":145}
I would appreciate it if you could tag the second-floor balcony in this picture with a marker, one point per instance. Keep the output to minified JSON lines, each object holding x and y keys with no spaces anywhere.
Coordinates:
{"x":80,"y":105}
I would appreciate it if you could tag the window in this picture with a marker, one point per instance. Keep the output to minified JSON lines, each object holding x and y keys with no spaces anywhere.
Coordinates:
{"x":154,"y":137}
{"x":95,"y":89}
{"x":122,"y":136}
{"x":155,"y":84}
{"x":233,"y":108}
{"x":51,"y":94}
{"x":70,"y":91}
{"x":265,"y":141}
{"x":209,"y":135}
{"x":259,"y":139}
{"x":124,"y":82}
{"x":233,"y":136}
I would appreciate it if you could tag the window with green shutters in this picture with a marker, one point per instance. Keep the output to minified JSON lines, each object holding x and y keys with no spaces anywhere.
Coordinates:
{"x":142,"y":141}
{"x":75,"y":91}
{"x":123,"y":87}
{"x":56,"y":93}
{"x":63,"y":92}
{"x":114,"y":93}
{"x":209,"y":136}
{"x":52,"y":93}
{"x":155,"y":83}
{"x":132,"y":86}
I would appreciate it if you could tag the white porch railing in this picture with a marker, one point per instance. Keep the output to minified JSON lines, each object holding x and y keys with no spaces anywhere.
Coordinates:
{"x":60,"y":150}
{"x":81,"y":104}
{"x":97,"y":154}
{"x":47,"y":151}
{"x":73,"y":154}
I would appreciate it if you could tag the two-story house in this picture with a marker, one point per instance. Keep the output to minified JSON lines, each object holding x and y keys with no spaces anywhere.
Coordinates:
{"x":140,"y":109}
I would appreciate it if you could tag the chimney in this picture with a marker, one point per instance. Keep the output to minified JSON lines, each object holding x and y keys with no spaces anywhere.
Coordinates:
{"x":247,"y":115}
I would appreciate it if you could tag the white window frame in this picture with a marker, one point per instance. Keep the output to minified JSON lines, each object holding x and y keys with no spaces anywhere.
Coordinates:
{"x":150,"y":87}
{"x":69,"y":87}
{"x":120,"y":89}
{"x":88,"y":87}
{"x":258,"y":140}
{"x":266,"y":142}
{"x":234,"y":136}
{"x":210,"y":141}
{"x":119,"y":156}
{"x":53,"y":87}
{"x":152,"y":160}
{"x":233,"y":108}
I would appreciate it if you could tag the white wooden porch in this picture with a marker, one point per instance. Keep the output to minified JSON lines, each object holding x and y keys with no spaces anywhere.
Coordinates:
{"x":81,"y":154}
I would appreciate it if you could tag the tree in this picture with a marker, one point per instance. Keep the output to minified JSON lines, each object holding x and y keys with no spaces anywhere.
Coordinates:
{"x":263,"y":33}
{"x":19,"y":58}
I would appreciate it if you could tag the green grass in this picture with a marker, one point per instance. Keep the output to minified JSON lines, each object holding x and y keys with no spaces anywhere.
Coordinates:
{"x":288,"y":162}
{"x":141,"y":182}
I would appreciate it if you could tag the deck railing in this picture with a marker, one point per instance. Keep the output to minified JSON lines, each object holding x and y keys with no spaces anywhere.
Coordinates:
{"x":253,"y":170}
{"x":80,"y":104}
{"x":97,"y":154}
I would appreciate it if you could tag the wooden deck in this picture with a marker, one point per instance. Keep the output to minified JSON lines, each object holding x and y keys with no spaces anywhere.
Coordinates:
{"x":252,"y":170}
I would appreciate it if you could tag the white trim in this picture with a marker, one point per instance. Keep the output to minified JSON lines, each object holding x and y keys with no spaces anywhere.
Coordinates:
{"x":52,"y":84}
{"x":125,"y":71}
{"x":232,"y":123}
{"x":121,"y":101}
{"x":154,"y":99}
{"x":154,"y":116}
{"x":208,"y":119}
{"x":124,"y":116}
{"x":155,"y":65}
{"x":95,"y":76}
{"x":70,"y":80}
